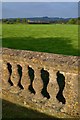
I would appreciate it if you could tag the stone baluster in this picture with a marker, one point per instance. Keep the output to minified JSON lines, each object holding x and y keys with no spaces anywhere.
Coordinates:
{"x":25,"y":80}
{"x":15,"y":75}
{"x":52,"y":86}
{"x":71,"y":94}
{"x":38,"y":83}
{"x":0,"y":75}
{"x":5,"y":76}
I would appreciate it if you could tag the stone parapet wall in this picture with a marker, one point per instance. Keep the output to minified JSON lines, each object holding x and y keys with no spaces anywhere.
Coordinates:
{"x":48,"y":81}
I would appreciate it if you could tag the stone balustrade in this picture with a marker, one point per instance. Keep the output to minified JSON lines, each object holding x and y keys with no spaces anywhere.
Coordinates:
{"x":49,"y":81}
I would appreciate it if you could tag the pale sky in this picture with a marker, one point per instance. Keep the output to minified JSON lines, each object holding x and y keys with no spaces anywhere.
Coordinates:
{"x":0,"y":10}
{"x":39,"y":0}
{"x":39,"y":9}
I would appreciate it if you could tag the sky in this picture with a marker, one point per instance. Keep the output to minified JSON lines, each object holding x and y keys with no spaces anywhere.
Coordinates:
{"x":40,"y":0}
{"x":0,"y":10}
{"x":39,"y":9}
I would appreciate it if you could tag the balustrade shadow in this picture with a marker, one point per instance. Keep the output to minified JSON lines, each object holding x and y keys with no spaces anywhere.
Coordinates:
{"x":57,"y":45}
{"x":31,"y":75}
{"x":12,"y":111}
{"x":9,"y":67}
{"x":20,"y":76}
{"x":45,"y":79}
{"x":61,"y":83}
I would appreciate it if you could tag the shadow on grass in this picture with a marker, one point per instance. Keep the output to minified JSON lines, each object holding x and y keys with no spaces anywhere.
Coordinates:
{"x":13,"y":111}
{"x":56,"y":45}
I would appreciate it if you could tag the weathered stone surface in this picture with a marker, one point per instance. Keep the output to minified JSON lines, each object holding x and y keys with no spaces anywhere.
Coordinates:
{"x":68,"y":66}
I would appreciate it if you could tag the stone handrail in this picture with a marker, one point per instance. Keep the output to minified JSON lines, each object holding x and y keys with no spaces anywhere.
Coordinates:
{"x":49,"y":81}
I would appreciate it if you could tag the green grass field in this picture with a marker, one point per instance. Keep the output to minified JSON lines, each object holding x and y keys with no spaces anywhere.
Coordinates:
{"x":53,"y":38}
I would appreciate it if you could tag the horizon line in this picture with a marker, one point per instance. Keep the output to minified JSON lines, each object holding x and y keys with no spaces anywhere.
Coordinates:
{"x":37,"y":17}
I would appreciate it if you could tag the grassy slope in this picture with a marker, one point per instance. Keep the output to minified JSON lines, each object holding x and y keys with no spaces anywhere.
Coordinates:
{"x":61,"y":39}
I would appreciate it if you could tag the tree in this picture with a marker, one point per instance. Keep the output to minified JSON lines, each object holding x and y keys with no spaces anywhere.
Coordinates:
{"x":7,"y":22}
{"x":72,"y":21}
{"x":24,"y":20}
{"x":4,"y":20}
{"x":78,"y":18}
{"x":12,"y":21}
{"x":18,"y":20}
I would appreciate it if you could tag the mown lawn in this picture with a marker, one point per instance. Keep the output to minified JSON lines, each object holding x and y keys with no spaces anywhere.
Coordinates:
{"x":53,"y":38}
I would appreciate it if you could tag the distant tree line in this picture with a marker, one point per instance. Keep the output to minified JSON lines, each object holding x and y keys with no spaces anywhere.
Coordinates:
{"x":74,"y":21}
{"x":14,"y":20}
{"x":26,"y":21}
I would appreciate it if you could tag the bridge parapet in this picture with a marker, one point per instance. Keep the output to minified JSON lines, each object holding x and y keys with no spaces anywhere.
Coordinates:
{"x":49,"y":81}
